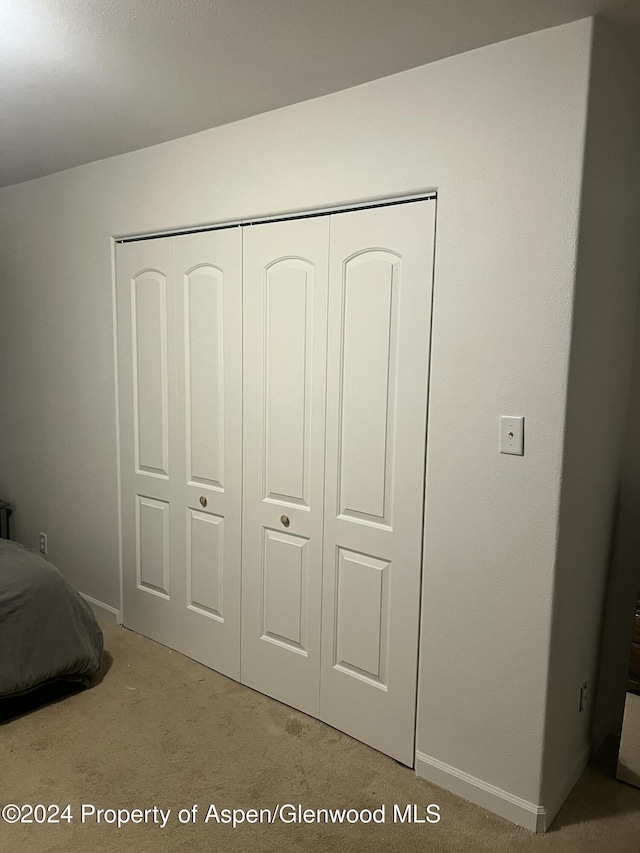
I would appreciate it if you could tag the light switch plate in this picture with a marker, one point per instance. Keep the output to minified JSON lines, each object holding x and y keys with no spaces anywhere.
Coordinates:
{"x":512,"y":435}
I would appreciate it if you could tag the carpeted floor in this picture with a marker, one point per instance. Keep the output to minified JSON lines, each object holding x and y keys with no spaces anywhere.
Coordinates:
{"x":159,"y":730}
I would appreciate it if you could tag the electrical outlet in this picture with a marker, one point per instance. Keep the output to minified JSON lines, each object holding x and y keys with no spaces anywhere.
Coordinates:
{"x":43,"y":543}
{"x":583,"y":696}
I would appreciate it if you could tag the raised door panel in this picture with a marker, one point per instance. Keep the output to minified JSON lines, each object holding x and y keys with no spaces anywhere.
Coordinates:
{"x":288,"y":338}
{"x":152,"y":545}
{"x":285,"y":570}
{"x":209,"y":466}
{"x":367,"y":387}
{"x":378,"y":346}
{"x":204,"y":360}
{"x":361,"y":616}
{"x":146,"y":383}
{"x":150,"y":398}
{"x":285,"y":304}
{"x":205,"y":564}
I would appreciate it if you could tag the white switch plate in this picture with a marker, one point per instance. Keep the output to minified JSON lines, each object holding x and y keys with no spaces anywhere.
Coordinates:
{"x":512,"y":435}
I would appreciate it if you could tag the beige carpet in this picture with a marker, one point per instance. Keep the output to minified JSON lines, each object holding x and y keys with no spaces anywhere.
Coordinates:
{"x":161,"y":730}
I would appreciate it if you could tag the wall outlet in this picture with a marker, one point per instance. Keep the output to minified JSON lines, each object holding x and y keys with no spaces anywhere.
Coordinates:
{"x":43,"y":543}
{"x":583,"y":696}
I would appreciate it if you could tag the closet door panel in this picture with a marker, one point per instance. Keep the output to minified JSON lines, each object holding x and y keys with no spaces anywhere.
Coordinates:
{"x":379,"y":324}
{"x":367,"y":387}
{"x":146,"y":386}
{"x":285,"y":567}
{"x":361,"y":607}
{"x":152,"y":545}
{"x":205,"y":563}
{"x":204,"y":361}
{"x":288,"y":338}
{"x":285,"y":304}
{"x":149,"y":352}
{"x":209,"y":466}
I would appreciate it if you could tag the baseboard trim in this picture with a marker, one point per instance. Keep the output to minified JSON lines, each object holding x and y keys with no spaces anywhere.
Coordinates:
{"x":103,"y":612}
{"x":529,"y":815}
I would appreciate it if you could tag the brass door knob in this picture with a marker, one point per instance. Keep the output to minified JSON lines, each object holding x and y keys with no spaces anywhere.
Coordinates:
{"x":203,"y":501}
{"x":285,"y":520}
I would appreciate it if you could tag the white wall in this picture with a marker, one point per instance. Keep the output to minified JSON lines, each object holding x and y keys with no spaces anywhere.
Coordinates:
{"x":499,"y":132}
{"x":600,"y":371}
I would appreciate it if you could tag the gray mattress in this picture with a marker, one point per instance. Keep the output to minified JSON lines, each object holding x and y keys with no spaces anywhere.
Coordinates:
{"x":47,"y":630}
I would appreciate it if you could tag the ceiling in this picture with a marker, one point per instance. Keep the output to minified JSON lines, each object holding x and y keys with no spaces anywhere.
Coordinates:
{"x":85,"y":79}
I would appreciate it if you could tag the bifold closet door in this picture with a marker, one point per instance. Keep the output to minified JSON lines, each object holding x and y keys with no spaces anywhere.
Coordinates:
{"x":378,"y":351}
{"x":209,"y":428}
{"x":147,"y":404}
{"x":273,"y":402}
{"x":285,"y":305}
{"x":180,"y":363}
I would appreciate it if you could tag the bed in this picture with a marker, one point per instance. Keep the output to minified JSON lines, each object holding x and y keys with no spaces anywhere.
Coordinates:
{"x":47,"y":630}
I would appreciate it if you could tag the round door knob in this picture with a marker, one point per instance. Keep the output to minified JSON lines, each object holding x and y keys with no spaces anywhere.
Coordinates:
{"x":203,"y":501}
{"x":285,"y":520}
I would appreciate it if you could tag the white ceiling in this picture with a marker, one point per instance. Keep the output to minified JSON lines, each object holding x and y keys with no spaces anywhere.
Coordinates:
{"x":85,"y":79}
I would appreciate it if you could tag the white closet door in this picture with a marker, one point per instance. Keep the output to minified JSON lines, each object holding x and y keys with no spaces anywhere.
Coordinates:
{"x":285,"y":304}
{"x":146,"y":341}
{"x":379,"y":329}
{"x":180,"y":377}
{"x":209,"y":432}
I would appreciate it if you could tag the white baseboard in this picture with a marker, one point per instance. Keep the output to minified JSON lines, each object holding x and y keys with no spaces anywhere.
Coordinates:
{"x":103,"y":612}
{"x":526,"y":814}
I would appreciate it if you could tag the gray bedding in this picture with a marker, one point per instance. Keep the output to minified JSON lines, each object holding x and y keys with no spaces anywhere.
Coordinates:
{"x":47,"y":630}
